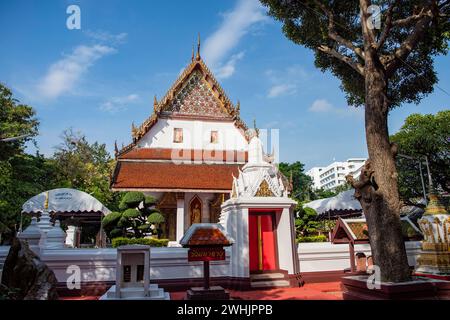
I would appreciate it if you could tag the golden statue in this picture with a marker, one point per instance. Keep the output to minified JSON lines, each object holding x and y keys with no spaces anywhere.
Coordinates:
{"x":196,"y":214}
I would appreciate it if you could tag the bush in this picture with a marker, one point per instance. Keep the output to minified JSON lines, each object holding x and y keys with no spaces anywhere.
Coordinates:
{"x":319,"y":238}
{"x":156,"y":217}
{"x":132,"y":199}
{"x":121,"y":241}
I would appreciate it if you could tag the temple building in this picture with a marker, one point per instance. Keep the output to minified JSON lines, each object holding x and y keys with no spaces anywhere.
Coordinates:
{"x":187,"y":152}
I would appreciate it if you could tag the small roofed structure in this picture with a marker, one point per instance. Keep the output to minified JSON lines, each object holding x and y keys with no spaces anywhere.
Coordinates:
{"x":74,"y":208}
{"x":342,"y":205}
{"x":206,"y":234}
{"x":205,"y":242}
{"x":355,"y":231}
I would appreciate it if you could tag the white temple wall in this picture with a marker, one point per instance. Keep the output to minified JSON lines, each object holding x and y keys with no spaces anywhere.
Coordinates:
{"x":325,"y":256}
{"x":196,"y":135}
{"x":171,"y":263}
{"x":100,"y":264}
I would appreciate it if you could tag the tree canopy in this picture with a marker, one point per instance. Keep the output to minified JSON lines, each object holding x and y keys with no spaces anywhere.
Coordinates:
{"x":408,"y":35}
{"x":423,"y":136}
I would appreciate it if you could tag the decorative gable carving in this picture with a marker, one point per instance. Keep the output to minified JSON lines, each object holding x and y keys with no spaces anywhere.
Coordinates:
{"x":264,"y":190}
{"x":196,"y":98}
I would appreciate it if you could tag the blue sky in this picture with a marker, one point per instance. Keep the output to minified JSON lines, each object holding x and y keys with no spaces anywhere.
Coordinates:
{"x":100,"y":79}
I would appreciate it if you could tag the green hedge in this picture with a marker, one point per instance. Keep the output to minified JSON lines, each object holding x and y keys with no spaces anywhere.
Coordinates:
{"x":320,"y":238}
{"x":121,"y":241}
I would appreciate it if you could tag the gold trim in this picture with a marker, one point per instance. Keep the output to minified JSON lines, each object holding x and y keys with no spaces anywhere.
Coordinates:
{"x":260,"y":256}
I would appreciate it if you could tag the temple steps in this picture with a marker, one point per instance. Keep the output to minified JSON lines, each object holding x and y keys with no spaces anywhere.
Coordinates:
{"x":269,"y":280}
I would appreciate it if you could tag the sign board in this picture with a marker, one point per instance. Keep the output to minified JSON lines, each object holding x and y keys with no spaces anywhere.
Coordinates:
{"x":206,"y":254}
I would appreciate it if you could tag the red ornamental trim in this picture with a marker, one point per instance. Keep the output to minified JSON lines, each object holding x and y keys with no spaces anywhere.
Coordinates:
{"x":206,"y":254}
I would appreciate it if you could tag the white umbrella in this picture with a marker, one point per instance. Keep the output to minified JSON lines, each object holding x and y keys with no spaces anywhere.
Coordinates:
{"x":64,"y":200}
{"x":343,"y":201}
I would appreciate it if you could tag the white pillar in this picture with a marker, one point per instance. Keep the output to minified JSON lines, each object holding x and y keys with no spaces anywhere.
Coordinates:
{"x":180,"y":216}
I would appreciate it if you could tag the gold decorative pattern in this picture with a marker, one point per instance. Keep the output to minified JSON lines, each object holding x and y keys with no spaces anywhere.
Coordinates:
{"x":264,"y":190}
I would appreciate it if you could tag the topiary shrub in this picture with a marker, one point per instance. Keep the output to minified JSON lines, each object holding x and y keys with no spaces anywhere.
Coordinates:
{"x":121,"y":241}
{"x":132,"y":199}
{"x":156,"y":218}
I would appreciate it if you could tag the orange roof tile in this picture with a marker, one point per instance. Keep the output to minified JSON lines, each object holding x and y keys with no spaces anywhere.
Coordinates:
{"x":163,"y":175}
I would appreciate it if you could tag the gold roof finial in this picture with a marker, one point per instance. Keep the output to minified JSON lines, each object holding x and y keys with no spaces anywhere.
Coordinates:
{"x":116,"y":150}
{"x":134,"y":130}
{"x":238,"y":107}
{"x":198,"y":47}
{"x":256,"y":129}
{"x":155,"y":103}
{"x":193,"y":54}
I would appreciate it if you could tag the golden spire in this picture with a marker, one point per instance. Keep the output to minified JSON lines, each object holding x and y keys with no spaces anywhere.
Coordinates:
{"x":198,"y":47}
{"x":134,"y":130}
{"x":434,"y":206}
{"x":256,"y":129}
{"x":46,"y":201}
{"x":193,"y":55}
{"x":155,"y":103}
{"x":116,"y":150}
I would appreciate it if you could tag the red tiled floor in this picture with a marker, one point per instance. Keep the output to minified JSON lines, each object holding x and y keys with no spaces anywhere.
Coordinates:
{"x":312,"y":291}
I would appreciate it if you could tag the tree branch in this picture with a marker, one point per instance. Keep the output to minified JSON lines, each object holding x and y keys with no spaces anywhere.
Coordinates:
{"x":367,"y":32}
{"x":355,"y":65}
{"x":394,"y":60}
{"x":413,"y":18}
{"x":388,"y":27}
{"x":333,"y":35}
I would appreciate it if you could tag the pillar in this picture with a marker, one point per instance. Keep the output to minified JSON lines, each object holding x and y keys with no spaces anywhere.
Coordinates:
{"x":180,"y":216}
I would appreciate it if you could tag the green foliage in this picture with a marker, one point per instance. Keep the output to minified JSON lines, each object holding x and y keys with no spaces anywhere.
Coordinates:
{"x":86,"y":167}
{"x":15,"y":120}
{"x":306,"y":222}
{"x":156,"y":218}
{"x":420,"y":136}
{"x":132,"y":199}
{"x":21,"y":175}
{"x":301,"y":183}
{"x":322,"y":194}
{"x":145,"y":241}
{"x":318,"y":238}
{"x":137,"y":216}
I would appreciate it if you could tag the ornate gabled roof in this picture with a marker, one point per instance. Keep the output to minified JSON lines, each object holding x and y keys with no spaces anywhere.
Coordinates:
{"x":196,"y":93}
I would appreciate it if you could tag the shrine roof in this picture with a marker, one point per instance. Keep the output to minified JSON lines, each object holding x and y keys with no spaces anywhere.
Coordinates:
{"x":206,"y":234}
{"x":356,"y":231}
{"x":136,"y":175}
{"x":184,"y":154}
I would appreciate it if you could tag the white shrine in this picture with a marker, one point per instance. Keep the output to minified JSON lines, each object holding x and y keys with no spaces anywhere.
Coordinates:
{"x":259,"y":216}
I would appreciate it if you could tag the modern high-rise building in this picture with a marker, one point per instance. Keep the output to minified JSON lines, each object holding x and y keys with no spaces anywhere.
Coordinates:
{"x":333,"y":175}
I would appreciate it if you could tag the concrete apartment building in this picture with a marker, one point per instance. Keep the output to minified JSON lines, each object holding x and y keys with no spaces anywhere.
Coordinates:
{"x":333,"y":175}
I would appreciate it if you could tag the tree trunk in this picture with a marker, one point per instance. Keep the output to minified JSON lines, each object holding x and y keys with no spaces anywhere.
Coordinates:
{"x":377,"y":188}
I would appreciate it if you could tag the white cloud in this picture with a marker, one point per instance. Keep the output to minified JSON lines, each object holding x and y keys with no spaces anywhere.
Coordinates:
{"x":235,"y":25}
{"x":117,"y":104}
{"x":106,"y":37}
{"x":228,"y":69}
{"x":62,"y":75}
{"x":285,"y":82}
{"x":281,"y":90}
{"x":321,"y":105}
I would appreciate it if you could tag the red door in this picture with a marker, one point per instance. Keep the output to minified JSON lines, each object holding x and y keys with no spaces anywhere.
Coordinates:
{"x":262,"y":242}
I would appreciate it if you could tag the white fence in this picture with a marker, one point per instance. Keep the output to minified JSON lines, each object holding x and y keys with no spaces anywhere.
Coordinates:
{"x":171,"y":263}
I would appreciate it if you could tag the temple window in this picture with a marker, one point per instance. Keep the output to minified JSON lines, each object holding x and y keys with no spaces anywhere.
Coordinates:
{"x":177,"y":135}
